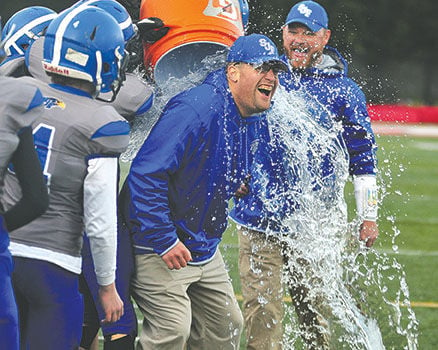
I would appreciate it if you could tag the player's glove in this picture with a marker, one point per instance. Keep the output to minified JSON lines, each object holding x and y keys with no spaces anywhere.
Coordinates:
{"x":151,"y":29}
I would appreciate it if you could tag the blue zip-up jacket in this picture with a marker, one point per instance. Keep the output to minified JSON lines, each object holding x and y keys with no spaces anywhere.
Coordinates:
{"x":342,"y":99}
{"x":333,"y":97}
{"x":187,"y":170}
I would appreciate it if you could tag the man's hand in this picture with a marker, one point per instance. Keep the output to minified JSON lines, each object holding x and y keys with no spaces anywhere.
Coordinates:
{"x":244,"y":188}
{"x":368,"y":232}
{"x":111,"y":303}
{"x":177,"y":257}
{"x":242,"y":191}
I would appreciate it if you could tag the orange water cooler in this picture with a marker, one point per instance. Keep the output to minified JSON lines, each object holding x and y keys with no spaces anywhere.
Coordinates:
{"x":197,"y":29}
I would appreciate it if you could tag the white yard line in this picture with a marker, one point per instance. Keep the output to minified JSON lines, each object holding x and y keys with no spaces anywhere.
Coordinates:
{"x":409,"y":252}
{"x":405,"y":129}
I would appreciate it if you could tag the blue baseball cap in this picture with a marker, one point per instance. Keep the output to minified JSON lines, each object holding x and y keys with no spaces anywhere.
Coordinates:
{"x":309,"y":13}
{"x":255,"y":49}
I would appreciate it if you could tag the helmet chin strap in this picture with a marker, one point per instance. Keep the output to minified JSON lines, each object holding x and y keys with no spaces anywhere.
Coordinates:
{"x":117,"y":84}
{"x":114,"y":92}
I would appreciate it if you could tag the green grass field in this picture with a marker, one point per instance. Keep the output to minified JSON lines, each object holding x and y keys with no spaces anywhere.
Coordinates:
{"x":409,"y":172}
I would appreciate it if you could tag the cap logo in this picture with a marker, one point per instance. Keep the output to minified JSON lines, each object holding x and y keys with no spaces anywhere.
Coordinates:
{"x":267,"y":46}
{"x":304,"y":10}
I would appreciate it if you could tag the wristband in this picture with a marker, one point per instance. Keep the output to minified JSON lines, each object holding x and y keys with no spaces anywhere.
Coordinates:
{"x":365,"y":192}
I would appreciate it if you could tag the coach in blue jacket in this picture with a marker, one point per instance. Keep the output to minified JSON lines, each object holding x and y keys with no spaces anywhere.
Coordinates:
{"x":319,"y":73}
{"x":180,"y":183}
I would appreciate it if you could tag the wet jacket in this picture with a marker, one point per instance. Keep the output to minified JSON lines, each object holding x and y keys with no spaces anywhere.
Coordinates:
{"x":332,"y":98}
{"x":342,"y":99}
{"x":189,"y":167}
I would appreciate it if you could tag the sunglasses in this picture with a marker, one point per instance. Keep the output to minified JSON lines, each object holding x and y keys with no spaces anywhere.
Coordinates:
{"x":265,"y":67}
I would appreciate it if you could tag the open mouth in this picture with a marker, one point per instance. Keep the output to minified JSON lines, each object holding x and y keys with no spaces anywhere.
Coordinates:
{"x":300,"y":50}
{"x":265,"y":90}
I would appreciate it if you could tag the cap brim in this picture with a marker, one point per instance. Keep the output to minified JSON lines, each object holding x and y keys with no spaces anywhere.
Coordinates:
{"x":314,"y":27}
{"x":279,"y":64}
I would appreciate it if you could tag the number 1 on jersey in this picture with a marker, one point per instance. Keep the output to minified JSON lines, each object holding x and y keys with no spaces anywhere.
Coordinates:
{"x":43,"y":136}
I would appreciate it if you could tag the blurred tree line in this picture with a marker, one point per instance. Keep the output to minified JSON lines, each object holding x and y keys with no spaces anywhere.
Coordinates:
{"x":391,"y":45}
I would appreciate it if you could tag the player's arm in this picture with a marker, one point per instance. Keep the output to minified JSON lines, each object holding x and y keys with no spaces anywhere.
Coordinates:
{"x":100,"y":216}
{"x":35,"y":199}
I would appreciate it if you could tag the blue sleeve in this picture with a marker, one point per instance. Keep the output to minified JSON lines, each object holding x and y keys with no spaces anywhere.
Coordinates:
{"x":282,"y":186}
{"x":269,"y":200}
{"x":357,"y":133}
{"x":167,"y":147}
{"x":146,"y":105}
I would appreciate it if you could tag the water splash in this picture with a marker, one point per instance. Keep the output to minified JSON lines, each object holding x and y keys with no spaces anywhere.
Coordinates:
{"x":360,"y":295}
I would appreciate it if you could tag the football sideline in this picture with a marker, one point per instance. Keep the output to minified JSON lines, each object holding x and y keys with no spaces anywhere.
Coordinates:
{"x":405,"y":129}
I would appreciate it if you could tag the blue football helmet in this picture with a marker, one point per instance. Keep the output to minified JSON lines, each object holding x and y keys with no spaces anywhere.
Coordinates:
{"x":24,"y":27}
{"x":86,"y":43}
{"x":116,"y":10}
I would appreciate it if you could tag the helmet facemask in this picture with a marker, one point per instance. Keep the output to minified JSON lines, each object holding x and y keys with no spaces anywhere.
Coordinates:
{"x":24,"y":27}
{"x":122,"y":61}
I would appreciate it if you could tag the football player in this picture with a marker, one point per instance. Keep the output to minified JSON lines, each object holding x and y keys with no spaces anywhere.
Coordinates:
{"x":20,"y":105}
{"x":78,"y":141}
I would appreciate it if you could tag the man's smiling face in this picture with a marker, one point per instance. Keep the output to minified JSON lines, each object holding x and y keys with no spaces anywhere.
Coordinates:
{"x":253,"y":88}
{"x":302,"y":46}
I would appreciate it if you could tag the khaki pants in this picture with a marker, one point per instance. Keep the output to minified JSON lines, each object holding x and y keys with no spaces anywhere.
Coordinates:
{"x":261,"y":263}
{"x":194,"y":306}
{"x":260,"y":267}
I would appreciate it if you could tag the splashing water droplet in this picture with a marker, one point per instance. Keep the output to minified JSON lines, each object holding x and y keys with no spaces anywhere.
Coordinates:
{"x":356,"y":291}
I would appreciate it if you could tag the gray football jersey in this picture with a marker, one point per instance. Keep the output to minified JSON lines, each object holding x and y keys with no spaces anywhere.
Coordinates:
{"x":34,"y":59}
{"x":20,"y":105}
{"x":72,"y":130}
{"x":134,"y":98}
